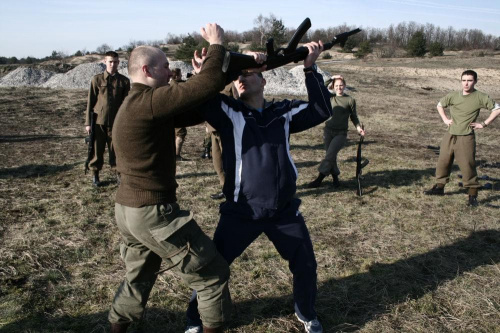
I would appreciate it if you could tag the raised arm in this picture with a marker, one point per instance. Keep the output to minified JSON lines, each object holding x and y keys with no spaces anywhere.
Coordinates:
{"x":172,"y":100}
{"x":305,"y":115}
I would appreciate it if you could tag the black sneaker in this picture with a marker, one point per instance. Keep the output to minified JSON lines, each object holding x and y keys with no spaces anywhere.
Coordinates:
{"x":435,"y":190}
{"x":472,"y":201}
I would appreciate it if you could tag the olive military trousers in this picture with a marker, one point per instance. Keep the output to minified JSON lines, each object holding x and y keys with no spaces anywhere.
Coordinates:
{"x":334,"y":141}
{"x":462,"y":148}
{"x":217,"y":157}
{"x":165,"y":232}
{"x":102,"y":139}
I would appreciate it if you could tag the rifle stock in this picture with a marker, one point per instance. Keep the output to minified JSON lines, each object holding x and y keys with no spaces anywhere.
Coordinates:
{"x":360,"y":165}
{"x":90,"y":142}
{"x":236,"y":62}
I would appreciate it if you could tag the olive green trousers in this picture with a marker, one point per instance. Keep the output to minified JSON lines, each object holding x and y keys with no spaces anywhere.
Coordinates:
{"x":461,"y":148}
{"x":164,"y":232}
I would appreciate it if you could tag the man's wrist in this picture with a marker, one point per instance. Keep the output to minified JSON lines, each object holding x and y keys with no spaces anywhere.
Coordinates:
{"x":312,"y":68}
{"x":483,"y":124}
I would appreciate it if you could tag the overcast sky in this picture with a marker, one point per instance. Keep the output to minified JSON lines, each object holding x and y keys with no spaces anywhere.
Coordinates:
{"x":38,"y":27}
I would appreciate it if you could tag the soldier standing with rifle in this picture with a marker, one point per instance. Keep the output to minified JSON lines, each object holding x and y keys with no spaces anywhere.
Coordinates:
{"x":335,"y":132}
{"x":106,"y":94}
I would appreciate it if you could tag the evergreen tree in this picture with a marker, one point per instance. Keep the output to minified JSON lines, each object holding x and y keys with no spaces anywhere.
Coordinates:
{"x":278,"y":32}
{"x":436,"y":49}
{"x":189,"y":44}
{"x":363,"y":50}
{"x":416,"y":45}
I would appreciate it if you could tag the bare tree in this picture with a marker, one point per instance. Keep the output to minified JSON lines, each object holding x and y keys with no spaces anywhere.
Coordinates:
{"x":263,"y":25}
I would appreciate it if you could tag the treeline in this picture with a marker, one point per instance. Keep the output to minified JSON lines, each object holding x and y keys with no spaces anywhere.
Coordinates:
{"x":405,"y":35}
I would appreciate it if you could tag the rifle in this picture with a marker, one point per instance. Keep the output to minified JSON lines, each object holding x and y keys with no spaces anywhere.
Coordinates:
{"x":235,"y":62}
{"x":360,"y":165}
{"x":89,"y":140}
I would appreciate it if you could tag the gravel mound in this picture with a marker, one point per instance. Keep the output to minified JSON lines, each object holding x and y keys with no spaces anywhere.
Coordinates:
{"x":80,"y":76}
{"x":279,"y":81}
{"x":25,"y":76}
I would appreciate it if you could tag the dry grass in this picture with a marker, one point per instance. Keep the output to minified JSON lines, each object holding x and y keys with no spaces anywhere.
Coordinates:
{"x":393,"y":260}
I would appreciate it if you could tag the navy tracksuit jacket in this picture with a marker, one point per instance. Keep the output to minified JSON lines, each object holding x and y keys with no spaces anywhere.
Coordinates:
{"x":260,"y":173}
{"x":260,"y":184}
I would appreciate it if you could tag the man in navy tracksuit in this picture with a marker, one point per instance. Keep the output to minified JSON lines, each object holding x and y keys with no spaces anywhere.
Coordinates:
{"x":261,"y":178}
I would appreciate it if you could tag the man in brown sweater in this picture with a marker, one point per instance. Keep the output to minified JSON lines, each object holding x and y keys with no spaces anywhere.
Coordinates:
{"x":151,"y":223}
{"x":106,"y":94}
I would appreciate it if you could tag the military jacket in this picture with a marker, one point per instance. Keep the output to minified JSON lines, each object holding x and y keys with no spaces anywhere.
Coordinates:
{"x":106,"y":94}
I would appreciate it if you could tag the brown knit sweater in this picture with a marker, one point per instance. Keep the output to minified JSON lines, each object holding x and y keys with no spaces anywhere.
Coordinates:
{"x":144,"y":137}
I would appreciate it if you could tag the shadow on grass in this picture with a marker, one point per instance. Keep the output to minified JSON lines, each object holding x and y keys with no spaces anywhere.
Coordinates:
{"x":306,"y":164}
{"x":196,"y":174}
{"x":155,"y":320}
{"x":308,"y":147}
{"x":371,"y":181}
{"x":35,"y":170}
{"x":322,"y":146}
{"x":29,"y":138}
{"x":347,"y":304}
{"x":344,"y":304}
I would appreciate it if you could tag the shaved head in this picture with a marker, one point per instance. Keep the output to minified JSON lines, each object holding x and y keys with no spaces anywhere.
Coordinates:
{"x":143,"y":55}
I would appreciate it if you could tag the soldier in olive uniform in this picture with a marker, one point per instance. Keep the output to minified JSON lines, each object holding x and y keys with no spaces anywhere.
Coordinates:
{"x":106,"y":94}
{"x":180,"y":132}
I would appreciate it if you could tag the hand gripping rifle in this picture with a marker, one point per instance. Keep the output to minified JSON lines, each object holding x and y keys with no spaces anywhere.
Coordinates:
{"x":235,"y":62}
{"x":89,"y":140}
{"x":360,"y":165}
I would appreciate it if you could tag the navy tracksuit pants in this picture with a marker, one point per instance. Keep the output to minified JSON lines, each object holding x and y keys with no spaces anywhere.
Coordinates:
{"x":291,"y":239}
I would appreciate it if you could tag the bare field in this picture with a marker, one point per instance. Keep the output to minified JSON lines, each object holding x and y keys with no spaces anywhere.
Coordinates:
{"x":393,"y":260}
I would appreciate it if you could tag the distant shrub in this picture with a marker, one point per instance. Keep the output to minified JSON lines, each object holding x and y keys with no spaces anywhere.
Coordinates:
{"x":189,"y":45}
{"x":327,"y":55}
{"x":103,"y":48}
{"x":363,"y":50}
{"x":349,"y":45}
{"x":416,"y":45}
{"x":386,"y":52}
{"x":436,"y":49}
{"x":164,"y":49}
{"x":78,"y":53}
{"x":256,"y":47}
{"x":234,"y":47}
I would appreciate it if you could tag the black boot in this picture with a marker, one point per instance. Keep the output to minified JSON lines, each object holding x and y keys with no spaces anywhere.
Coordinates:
{"x":119,"y":328}
{"x":336,"y":182}
{"x":317,"y":182}
{"x":472,"y":202}
{"x":95,"y":179}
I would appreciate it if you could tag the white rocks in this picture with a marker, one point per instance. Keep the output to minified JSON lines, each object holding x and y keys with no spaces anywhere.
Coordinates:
{"x":279,"y":81}
{"x":25,"y":76}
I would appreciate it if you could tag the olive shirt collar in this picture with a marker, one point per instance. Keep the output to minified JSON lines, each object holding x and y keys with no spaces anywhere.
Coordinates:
{"x":106,"y":75}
